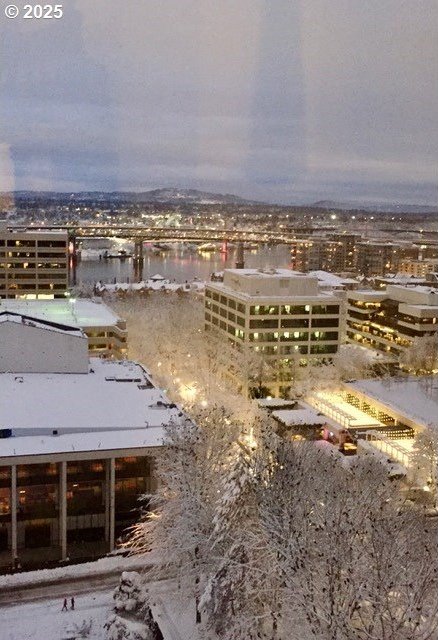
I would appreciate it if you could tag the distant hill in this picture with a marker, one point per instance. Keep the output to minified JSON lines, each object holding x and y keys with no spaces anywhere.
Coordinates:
{"x":373,"y":207}
{"x":167,"y":195}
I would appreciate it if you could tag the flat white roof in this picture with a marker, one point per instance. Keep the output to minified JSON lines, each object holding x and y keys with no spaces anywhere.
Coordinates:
{"x":414,"y":397}
{"x":330,"y":279}
{"x":285,"y":298}
{"x":75,"y":313}
{"x":81,"y":442}
{"x":267,"y":273}
{"x":115,"y":395}
{"x":40,"y":323}
{"x":297,"y":417}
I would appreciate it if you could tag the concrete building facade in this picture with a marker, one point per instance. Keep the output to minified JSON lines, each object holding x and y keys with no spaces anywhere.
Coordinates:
{"x":388,"y":321}
{"x":278,"y":313}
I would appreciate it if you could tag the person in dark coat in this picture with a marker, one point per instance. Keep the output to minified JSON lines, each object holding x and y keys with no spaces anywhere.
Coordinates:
{"x":64,"y":606}
{"x":72,"y":604}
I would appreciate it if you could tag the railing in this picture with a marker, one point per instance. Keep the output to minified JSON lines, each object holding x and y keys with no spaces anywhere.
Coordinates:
{"x":389,"y":448}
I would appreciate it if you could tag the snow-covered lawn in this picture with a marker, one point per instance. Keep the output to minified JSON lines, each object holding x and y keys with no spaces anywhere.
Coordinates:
{"x":44,"y":620}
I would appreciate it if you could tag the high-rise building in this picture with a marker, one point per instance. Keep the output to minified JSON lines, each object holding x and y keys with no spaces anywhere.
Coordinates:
{"x":315,"y":254}
{"x":375,"y":258}
{"x":33,"y":265}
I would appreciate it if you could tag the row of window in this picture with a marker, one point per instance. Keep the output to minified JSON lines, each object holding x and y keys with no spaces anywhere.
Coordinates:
{"x":257,"y":310}
{"x":33,"y":243}
{"x":284,"y":336}
{"x":273,"y":323}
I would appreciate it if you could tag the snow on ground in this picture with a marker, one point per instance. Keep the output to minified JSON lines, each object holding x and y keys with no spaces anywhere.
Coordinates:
{"x":44,"y":620}
{"x":102,"y":567}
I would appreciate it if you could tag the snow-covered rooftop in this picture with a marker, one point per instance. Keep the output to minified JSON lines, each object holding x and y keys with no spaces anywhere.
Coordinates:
{"x":328,"y":279}
{"x":81,"y":442}
{"x":416,"y":398}
{"x":266,"y":273}
{"x":296,"y":417}
{"x":40,"y":323}
{"x":114,"y":395}
{"x":75,"y":313}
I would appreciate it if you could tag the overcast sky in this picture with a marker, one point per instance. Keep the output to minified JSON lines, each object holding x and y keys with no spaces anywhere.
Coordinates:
{"x":278,"y":100}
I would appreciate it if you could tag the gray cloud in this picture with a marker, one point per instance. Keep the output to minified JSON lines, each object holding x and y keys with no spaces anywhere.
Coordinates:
{"x":280,"y":100}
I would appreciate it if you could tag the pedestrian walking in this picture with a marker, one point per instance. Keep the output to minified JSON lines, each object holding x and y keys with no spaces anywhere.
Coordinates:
{"x":72,"y":604}
{"x":64,"y":606}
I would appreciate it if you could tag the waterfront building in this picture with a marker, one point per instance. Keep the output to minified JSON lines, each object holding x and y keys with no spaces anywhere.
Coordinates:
{"x":33,"y":264}
{"x":280,"y":314}
{"x":388,"y":321}
{"x":106,"y":331}
{"x":78,"y":447}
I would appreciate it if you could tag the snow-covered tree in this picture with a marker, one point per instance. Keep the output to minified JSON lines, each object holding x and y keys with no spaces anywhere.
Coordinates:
{"x":422,"y":356}
{"x":130,"y":594}
{"x":166,"y":333}
{"x":354,"y":559}
{"x":190,"y":470}
{"x":133,"y":619}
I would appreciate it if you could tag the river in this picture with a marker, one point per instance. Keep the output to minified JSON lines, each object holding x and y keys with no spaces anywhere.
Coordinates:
{"x":178,"y":264}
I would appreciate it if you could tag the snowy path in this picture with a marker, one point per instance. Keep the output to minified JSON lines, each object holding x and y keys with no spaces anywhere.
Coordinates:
{"x":45,"y":620}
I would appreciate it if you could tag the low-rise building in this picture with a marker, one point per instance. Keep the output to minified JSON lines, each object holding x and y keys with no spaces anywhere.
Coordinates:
{"x":77,"y":449}
{"x":106,"y":331}
{"x":33,"y":264}
{"x":278,"y":313}
{"x":388,"y":321}
{"x":418,"y":268}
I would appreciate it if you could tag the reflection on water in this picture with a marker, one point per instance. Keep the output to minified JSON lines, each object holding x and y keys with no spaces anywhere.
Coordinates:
{"x":178,"y":264}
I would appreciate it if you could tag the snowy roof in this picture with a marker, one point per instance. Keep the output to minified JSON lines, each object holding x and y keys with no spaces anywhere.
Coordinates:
{"x":31,"y":321}
{"x":114,"y":395}
{"x":332,"y":280}
{"x":81,"y":442}
{"x":267,"y":273}
{"x":415,"y":398}
{"x":75,"y":313}
{"x":295,"y":417}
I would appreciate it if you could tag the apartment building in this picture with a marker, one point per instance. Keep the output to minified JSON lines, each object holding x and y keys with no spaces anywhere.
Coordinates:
{"x":375,"y":258}
{"x":348,"y":254}
{"x":418,"y":268}
{"x":278,"y":313}
{"x":33,"y":265}
{"x":105,"y":330}
{"x":335,"y":253}
{"x":314,"y":254}
{"x":388,"y":321}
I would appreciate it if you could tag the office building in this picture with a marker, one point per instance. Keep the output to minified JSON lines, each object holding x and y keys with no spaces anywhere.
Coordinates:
{"x":280,"y":314}
{"x":388,"y":321}
{"x":33,"y":265}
